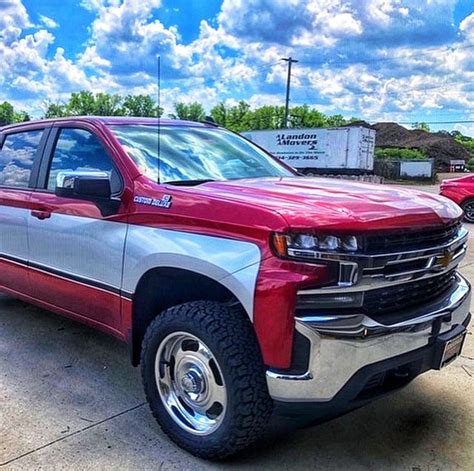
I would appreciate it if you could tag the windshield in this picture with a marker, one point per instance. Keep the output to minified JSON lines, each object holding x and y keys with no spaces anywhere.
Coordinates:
{"x":195,"y":154}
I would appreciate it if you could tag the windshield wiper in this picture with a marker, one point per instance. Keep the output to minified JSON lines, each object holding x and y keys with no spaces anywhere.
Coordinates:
{"x":189,"y":182}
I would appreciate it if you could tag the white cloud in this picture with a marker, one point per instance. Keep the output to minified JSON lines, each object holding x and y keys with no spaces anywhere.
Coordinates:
{"x":366,"y":58}
{"x":48,"y":22}
{"x":467,"y":27}
{"x":125,"y":39}
{"x":13,"y":18}
{"x":293,"y":22}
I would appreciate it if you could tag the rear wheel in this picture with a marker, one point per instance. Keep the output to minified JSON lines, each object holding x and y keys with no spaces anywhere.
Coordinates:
{"x":204,"y":378}
{"x":468,"y":208}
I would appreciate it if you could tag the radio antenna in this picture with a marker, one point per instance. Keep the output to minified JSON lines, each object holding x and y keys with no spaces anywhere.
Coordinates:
{"x":158,"y":100}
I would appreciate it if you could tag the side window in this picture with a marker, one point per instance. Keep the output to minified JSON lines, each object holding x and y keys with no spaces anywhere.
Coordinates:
{"x":16,"y":157}
{"x":80,"y":150}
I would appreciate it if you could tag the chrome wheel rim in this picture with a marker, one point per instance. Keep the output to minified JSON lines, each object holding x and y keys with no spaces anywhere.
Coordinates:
{"x":469,"y":211}
{"x":190,"y":383}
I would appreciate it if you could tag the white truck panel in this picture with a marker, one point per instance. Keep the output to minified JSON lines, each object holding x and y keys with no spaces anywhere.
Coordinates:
{"x":344,"y":149}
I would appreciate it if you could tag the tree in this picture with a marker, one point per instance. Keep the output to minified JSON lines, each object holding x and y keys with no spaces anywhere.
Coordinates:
{"x":81,"y":104}
{"x":305,"y":117}
{"x":466,"y":141}
{"x":55,"y":110}
{"x":399,"y":153}
{"x":140,"y":105}
{"x":236,"y":118}
{"x":9,"y":115}
{"x":189,"y":111}
{"x":219,"y":114}
{"x":85,"y":103}
{"x":267,"y":117}
{"x":421,"y":126}
{"x":335,"y":121}
{"x":21,"y":117}
{"x":107,"y":105}
{"x":239,"y":117}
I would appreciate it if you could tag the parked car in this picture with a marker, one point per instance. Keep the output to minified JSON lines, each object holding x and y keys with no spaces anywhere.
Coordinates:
{"x":241,"y":288}
{"x":461,"y":191}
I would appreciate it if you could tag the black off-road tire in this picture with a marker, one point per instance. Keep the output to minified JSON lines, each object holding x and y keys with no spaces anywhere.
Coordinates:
{"x":230,"y":336}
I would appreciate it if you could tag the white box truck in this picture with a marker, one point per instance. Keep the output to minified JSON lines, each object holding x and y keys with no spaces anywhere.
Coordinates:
{"x":346,"y":150}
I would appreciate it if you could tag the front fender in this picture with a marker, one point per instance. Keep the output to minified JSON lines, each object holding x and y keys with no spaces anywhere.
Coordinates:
{"x":232,"y":263}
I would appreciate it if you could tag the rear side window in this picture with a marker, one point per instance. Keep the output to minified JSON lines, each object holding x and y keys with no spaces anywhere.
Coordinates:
{"x":16,"y":157}
{"x":80,"y":150}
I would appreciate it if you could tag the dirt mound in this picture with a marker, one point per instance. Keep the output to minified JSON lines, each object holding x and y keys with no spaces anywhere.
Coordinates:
{"x":440,"y":145}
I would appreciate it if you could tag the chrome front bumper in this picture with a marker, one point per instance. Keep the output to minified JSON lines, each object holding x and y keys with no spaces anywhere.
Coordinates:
{"x":342,"y":345}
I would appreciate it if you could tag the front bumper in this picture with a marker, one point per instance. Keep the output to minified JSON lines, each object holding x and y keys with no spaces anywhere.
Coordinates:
{"x":343,"y":346}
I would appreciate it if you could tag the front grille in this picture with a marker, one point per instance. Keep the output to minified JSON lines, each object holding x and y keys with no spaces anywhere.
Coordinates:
{"x":411,"y":239}
{"x":397,"y":298}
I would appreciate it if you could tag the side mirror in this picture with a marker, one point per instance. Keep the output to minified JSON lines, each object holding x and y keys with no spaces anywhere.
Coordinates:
{"x":82,"y":185}
{"x":89,"y":186}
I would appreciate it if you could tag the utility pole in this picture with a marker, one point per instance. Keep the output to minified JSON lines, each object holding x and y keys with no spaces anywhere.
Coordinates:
{"x":290,"y":61}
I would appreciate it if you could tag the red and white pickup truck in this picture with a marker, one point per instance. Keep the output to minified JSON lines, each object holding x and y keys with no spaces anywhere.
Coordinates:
{"x":240,"y":287}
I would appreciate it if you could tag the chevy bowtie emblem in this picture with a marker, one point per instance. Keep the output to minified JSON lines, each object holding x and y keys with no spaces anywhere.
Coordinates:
{"x":446,"y":259}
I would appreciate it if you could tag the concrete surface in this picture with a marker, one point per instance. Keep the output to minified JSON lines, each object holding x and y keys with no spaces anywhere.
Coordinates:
{"x":70,"y":400}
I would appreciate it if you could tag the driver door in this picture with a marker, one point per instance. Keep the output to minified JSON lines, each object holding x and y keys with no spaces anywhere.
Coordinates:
{"x":75,"y":252}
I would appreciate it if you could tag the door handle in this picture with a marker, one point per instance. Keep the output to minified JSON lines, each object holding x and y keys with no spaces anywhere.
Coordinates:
{"x":41,"y":214}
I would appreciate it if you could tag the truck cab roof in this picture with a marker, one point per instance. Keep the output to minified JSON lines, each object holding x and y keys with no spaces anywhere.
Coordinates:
{"x":111,"y":120}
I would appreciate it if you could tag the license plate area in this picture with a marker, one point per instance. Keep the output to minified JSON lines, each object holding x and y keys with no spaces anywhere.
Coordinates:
{"x":449,"y":346}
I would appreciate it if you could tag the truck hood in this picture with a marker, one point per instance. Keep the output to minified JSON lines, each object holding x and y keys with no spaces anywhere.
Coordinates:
{"x":338,"y":204}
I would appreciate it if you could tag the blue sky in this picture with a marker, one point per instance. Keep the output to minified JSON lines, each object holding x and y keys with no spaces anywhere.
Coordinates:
{"x":390,"y":60}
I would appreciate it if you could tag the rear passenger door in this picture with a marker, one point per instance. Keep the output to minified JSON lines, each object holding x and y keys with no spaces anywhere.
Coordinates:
{"x":20,"y":152}
{"x":75,"y":252}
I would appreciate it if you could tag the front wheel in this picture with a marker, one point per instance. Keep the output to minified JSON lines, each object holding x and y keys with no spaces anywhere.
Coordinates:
{"x":468,"y":208}
{"x":204,"y":378}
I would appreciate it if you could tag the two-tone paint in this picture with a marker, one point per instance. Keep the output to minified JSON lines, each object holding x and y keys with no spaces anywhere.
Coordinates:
{"x":64,"y":255}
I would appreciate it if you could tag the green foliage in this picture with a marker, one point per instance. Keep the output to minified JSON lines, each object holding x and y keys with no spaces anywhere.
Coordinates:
{"x":190,"y":111}
{"x":21,"y":117}
{"x":470,"y":165}
{"x":55,"y":110}
{"x":305,"y":117}
{"x":6,"y":113}
{"x":265,"y":117}
{"x":466,"y":141}
{"x":9,"y":115}
{"x":140,"y":105}
{"x":86,"y":103}
{"x":421,"y":126}
{"x":399,"y":154}
{"x":241,"y":118}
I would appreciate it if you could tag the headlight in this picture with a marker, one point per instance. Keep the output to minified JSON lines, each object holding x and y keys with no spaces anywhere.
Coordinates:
{"x":308,"y":245}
